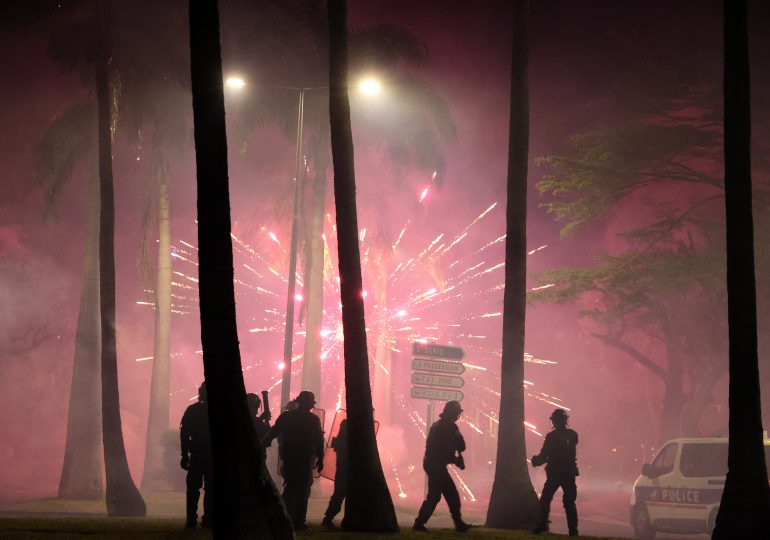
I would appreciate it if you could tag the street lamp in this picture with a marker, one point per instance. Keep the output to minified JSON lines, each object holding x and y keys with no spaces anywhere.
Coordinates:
{"x":368,"y":86}
{"x":235,"y":82}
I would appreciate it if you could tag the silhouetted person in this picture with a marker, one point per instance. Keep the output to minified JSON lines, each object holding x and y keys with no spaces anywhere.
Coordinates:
{"x":340,"y":446}
{"x":261,"y":421}
{"x":197,"y":458}
{"x":444,"y":445}
{"x":559,"y":454}
{"x":301,"y":445}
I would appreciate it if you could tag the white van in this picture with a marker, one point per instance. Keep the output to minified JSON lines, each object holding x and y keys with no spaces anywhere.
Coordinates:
{"x":680,"y":491}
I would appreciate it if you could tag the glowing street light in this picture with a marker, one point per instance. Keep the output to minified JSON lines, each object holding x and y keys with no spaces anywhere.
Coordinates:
{"x":370,"y":87}
{"x":235,"y":82}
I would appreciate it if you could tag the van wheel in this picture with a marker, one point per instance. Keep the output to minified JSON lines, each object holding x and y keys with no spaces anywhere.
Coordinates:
{"x":712,"y":520}
{"x":640,"y":521}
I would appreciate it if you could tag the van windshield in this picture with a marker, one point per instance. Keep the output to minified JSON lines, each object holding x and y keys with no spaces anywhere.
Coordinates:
{"x":707,"y":459}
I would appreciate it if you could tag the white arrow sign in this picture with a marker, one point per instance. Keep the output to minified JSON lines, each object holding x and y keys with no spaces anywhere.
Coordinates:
{"x":437,"y":366}
{"x":438,"y":394}
{"x":430,"y":379}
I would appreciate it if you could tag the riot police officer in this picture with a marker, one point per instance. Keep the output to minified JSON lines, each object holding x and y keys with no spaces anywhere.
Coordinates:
{"x":301,"y":445}
{"x":197,"y":458}
{"x":443,"y":446}
{"x":340,"y":446}
{"x":559,"y":456}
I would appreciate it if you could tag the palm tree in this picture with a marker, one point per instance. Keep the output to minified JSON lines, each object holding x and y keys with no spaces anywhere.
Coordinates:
{"x":154,"y":476}
{"x":745,"y":508}
{"x":513,"y":502}
{"x":123,"y":498}
{"x":368,"y":506}
{"x":163,"y":102}
{"x":68,"y":142}
{"x":246,"y":503}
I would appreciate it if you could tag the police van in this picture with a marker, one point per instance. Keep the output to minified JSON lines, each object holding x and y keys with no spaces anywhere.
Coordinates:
{"x":679,"y":492}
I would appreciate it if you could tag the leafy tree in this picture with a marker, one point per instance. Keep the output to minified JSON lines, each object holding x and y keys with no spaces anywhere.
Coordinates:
{"x":368,"y":506}
{"x":667,"y":294}
{"x":745,"y":507}
{"x":246,"y":503}
{"x":666,"y":286}
{"x":513,"y":502}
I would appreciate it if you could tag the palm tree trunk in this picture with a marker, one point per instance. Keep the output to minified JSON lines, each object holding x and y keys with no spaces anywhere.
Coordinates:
{"x":123,"y":499}
{"x":314,"y":282}
{"x":368,"y":506}
{"x":154,"y":475}
{"x":513,"y":502}
{"x":745,"y":508}
{"x":81,"y":476}
{"x":246,"y":503}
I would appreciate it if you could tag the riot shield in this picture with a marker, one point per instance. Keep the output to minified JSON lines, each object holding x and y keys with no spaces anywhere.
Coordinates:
{"x":330,"y":456}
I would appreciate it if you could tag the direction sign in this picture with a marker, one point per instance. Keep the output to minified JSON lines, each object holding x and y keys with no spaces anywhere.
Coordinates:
{"x":431,"y":379}
{"x":439,"y":394}
{"x":437,"y":366}
{"x":432,"y":350}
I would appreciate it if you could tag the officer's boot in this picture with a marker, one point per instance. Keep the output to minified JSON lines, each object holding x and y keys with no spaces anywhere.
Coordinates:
{"x":572,"y":520}
{"x":328,"y":523}
{"x":545,"y":511}
{"x":422,"y":518}
{"x":192,"y":511}
{"x":460,"y":525}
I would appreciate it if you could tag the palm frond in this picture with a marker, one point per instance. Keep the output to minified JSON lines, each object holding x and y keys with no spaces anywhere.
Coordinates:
{"x":384,"y":46}
{"x":70,"y":139}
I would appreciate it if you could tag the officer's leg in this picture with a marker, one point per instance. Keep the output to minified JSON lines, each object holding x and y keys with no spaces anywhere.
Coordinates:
{"x":208,"y":496}
{"x":194,"y":483}
{"x":338,"y":496}
{"x":290,"y":494}
{"x":550,"y":487}
{"x":570,"y":496}
{"x":435,"y":485}
{"x":452,"y":498}
{"x":307,"y":482}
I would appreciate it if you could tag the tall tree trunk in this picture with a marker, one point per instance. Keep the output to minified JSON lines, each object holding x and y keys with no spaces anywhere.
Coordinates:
{"x":673,"y":393}
{"x":745,"y":508}
{"x":154,"y":475}
{"x":123,"y":499}
{"x":513,"y":502}
{"x":702,"y":396}
{"x":314,"y":281}
{"x":81,"y":476}
{"x":368,"y":505}
{"x":246,"y":503}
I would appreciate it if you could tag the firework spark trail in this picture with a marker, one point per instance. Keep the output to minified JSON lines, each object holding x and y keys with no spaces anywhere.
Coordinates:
{"x":466,"y":281}
{"x":393,"y":468}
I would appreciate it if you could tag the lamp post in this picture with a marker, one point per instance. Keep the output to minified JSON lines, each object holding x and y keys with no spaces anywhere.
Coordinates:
{"x":367,"y":86}
{"x":288,"y":339}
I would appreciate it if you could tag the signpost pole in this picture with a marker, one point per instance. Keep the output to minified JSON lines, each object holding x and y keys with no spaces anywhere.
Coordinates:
{"x":428,"y":424}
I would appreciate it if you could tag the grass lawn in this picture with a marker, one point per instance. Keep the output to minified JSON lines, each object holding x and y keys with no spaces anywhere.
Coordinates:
{"x":150,"y":528}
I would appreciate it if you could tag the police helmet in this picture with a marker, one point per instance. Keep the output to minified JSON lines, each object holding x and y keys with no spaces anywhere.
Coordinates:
{"x":253,"y":401}
{"x":452,"y":409}
{"x":306,"y":399}
{"x":559,"y":416}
